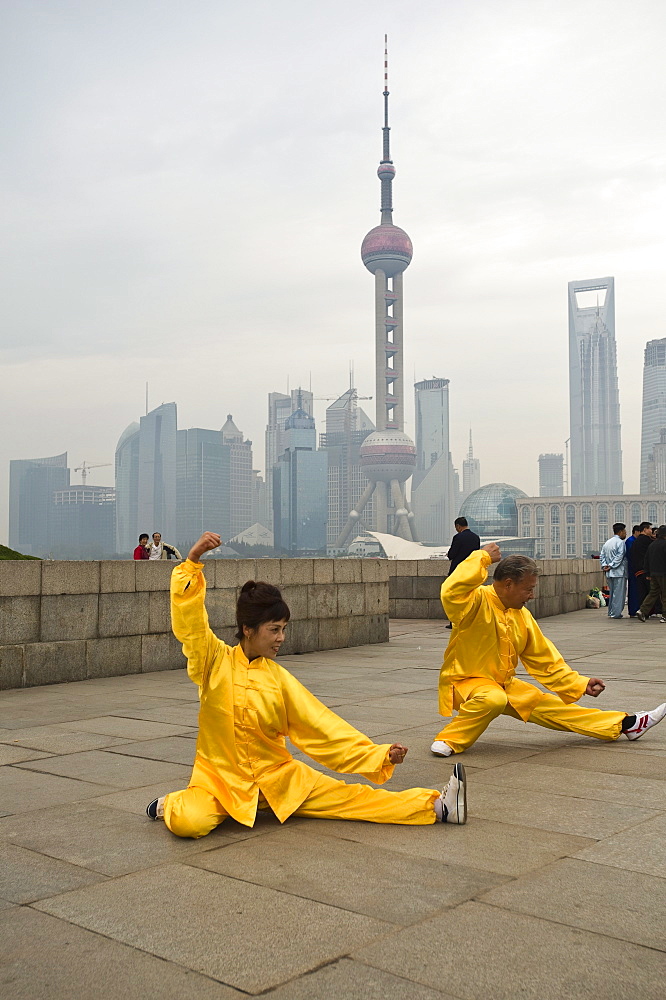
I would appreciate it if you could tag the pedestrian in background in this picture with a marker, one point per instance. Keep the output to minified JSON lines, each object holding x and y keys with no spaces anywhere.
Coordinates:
{"x":161,"y":550}
{"x":633,"y":600}
{"x":464,"y":542}
{"x":637,"y":553}
{"x":613,"y":560}
{"x":141,"y":551}
{"x":655,"y":572}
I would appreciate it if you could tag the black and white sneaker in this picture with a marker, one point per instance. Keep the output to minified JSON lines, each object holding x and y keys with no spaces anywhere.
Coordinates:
{"x":151,"y":809}
{"x":453,"y":798}
{"x":645,"y":721}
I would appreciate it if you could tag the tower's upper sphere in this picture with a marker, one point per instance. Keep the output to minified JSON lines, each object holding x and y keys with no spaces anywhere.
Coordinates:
{"x":387,"y":455}
{"x":385,"y":171}
{"x":387,"y":248}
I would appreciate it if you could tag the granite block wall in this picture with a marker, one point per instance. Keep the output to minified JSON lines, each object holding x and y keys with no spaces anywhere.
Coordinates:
{"x":62,"y":621}
{"x":563,"y":586}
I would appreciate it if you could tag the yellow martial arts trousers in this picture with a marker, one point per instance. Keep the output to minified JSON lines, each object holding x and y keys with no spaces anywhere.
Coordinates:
{"x":194,"y":812}
{"x":480,"y":701}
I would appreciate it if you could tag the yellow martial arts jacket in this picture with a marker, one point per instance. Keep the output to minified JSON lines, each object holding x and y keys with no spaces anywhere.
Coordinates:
{"x":248,"y":709}
{"x":487,"y":640}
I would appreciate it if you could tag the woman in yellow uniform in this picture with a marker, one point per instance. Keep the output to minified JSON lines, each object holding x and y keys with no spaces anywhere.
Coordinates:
{"x":491,"y":630}
{"x":250,"y":705}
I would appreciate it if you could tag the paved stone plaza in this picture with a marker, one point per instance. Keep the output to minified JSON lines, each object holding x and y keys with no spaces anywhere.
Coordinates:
{"x":554,"y":889}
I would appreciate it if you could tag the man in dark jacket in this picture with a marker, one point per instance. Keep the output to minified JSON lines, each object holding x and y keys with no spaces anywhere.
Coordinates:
{"x":636,"y":557}
{"x":655,"y":571}
{"x":463,"y":543}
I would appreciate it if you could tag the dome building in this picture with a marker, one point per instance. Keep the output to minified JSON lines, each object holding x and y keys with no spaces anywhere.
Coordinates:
{"x":491,"y":511}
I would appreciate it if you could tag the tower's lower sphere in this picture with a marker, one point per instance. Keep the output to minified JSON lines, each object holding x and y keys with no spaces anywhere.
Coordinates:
{"x":387,"y":248}
{"x":387,"y":455}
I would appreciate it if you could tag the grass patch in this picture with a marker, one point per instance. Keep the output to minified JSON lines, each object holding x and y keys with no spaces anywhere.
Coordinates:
{"x":6,"y":553}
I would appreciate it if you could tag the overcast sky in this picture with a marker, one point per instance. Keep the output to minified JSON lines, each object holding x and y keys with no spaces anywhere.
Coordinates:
{"x":185,"y":187}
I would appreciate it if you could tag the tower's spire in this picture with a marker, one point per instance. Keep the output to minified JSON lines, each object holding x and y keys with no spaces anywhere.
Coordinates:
{"x":386,"y":169}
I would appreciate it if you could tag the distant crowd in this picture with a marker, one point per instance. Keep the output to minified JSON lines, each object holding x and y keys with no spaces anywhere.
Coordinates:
{"x":635,"y":569}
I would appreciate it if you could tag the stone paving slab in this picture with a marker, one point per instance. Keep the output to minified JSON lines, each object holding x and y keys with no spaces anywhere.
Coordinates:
{"x":118,"y":770}
{"x":578,"y":784}
{"x":26,"y":876}
{"x":130,"y":729}
{"x":546,"y":810}
{"x":55,"y":741}
{"x":177,"y":749}
{"x":478,"y":952}
{"x":22,"y":791}
{"x":615,"y":902}
{"x":381,"y":884}
{"x":42,"y":958}
{"x":488,"y":846}
{"x":100,"y":838}
{"x":607,"y":760}
{"x":345,"y":978}
{"x":640,"y":849}
{"x":169,"y":712}
{"x":16,"y":754}
{"x":244,"y":935}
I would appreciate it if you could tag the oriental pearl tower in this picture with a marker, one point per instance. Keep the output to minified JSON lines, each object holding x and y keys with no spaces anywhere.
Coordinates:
{"x":388,"y":456}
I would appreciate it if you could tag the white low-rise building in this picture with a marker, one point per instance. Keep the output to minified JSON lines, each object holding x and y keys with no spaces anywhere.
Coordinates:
{"x":572,"y":527}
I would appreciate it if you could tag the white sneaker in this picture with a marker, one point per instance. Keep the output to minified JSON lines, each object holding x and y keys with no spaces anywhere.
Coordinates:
{"x":441,"y":749}
{"x":453,"y":798}
{"x":645,"y":721}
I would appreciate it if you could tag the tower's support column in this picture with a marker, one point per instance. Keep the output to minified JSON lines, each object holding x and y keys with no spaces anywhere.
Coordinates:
{"x":354,"y":517}
{"x":412,"y":520}
{"x":381,"y":507}
{"x":402,"y":527}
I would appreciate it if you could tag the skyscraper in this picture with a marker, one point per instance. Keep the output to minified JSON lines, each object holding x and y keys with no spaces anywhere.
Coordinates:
{"x":388,"y":455}
{"x":260,"y":512}
{"x":83,"y":523}
{"x":347,"y":426}
{"x":471,"y":470}
{"x":203,"y":485}
{"x":433,"y":498}
{"x":654,"y":406}
{"x":240,"y":477}
{"x":127,"y":491}
{"x":280,"y":406}
{"x":299,"y":489}
{"x":156,"y":500}
{"x":594,"y":406}
{"x":551,"y":475}
{"x":655,"y":475}
{"x":32,"y":483}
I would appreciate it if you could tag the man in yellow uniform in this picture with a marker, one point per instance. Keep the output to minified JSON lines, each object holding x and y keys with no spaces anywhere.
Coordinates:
{"x":250,"y":705}
{"x":492,"y":630}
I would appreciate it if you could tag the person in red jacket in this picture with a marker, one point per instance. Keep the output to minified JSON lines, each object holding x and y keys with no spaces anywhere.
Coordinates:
{"x":141,"y":551}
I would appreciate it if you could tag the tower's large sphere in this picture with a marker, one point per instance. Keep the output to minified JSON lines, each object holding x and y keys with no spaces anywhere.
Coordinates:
{"x":387,"y":248}
{"x":387,"y":455}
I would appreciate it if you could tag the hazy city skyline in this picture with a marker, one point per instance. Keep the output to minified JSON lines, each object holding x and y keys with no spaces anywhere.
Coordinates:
{"x":185,"y":191}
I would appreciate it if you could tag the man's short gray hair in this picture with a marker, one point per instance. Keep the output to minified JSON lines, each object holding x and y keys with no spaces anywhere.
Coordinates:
{"x":515,"y":568}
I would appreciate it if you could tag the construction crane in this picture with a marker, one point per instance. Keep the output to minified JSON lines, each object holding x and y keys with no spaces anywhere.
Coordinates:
{"x":340,"y":394}
{"x":84,"y":468}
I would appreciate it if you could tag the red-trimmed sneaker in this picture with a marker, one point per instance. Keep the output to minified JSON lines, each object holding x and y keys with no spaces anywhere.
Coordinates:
{"x":645,"y":721}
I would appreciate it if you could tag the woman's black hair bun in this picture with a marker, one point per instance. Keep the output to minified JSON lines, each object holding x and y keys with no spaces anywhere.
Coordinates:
{"x":248,"y":586}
